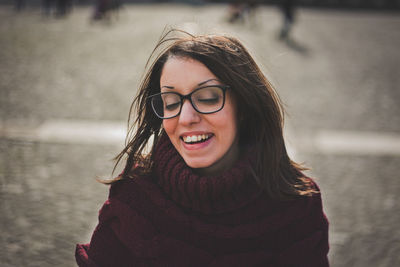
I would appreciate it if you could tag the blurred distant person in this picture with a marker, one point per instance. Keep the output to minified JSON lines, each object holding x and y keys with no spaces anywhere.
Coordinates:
{"x":47,"y":6}
{"x":62,"y":7}
{"x":235,"y":11}
{"x":104,"y":7}
{"x":288,"y":8}
{"x":19,"y":4}
{"x":238,"y":9}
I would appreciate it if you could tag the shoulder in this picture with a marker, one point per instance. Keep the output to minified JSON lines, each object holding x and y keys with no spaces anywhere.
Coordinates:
{"x":140,"y":194}
{"x":306,"y":208}
{"x":127,"y":186}
{"x":313,"y":201}
{"x":130,"y":202}
{"x":315,"y":198}
{"x":310,"y":209}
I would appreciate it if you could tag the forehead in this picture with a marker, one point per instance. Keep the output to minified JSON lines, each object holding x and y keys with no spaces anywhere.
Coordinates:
{"x":184,"y":72}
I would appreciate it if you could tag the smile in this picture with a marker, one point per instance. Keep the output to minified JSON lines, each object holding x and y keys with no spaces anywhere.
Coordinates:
{"x":194,"y":139}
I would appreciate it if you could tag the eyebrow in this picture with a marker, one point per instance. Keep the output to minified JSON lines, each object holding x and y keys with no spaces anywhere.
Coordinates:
{"x":213,"y":79}
{"x":200,"y":84}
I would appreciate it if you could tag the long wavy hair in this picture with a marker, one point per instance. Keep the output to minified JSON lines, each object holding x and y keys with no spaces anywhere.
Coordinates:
{"x":259,"y":110}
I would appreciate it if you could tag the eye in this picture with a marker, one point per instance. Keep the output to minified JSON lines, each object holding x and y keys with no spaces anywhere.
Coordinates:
{"x":208,"y":95}
{"x":170,"y":101}
{"x":172,"y":106}
{"x":210,"y":100}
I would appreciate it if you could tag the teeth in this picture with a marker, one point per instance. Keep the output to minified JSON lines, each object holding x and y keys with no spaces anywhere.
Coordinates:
{"x":195,"y":138}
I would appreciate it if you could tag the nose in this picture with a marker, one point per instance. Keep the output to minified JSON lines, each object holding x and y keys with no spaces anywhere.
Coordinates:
{"x":188,"y":114}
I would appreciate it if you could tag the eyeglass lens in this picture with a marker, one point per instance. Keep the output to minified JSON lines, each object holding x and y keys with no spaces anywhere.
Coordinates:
{"x":204,"y":100}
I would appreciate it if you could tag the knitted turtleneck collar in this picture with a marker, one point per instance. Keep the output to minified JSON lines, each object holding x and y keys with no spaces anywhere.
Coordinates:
{"x":205,"y":194}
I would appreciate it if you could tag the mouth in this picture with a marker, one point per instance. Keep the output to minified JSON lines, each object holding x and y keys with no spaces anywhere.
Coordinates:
{"x":196,"y":139}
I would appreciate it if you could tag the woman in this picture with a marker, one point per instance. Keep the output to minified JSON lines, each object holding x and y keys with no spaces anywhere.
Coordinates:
{"x":217,"y":188}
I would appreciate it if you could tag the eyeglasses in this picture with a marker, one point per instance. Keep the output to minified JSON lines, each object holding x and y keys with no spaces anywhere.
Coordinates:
{"x":205,"y":100}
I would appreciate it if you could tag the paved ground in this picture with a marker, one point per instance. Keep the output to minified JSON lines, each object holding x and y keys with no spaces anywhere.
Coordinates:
{"x":339,"y":79}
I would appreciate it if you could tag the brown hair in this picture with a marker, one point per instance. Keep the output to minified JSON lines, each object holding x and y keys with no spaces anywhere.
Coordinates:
{"x":260,"y":111}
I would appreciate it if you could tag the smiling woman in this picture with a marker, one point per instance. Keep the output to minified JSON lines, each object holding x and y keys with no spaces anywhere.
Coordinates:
{"x":217,"y":188}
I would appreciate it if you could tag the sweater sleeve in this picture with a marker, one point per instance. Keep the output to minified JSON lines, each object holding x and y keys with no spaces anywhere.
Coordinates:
{"x":81,"y":256}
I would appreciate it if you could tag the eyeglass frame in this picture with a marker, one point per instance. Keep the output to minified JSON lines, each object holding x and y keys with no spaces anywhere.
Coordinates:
{"x":189,"y":97}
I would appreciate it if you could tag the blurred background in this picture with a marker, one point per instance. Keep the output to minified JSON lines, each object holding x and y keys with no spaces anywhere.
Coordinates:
{"x":70,"y":69}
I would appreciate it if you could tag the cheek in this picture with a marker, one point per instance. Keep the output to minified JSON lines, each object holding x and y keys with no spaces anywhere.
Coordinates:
{"x":169,"y":127}
{"x":226,"y":129}
{"x":230,"y":121}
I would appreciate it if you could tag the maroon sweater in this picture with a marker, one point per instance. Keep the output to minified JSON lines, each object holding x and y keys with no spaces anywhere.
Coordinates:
{"x":177,"y":218}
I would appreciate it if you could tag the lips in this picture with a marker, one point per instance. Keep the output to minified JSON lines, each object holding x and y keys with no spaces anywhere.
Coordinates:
{"x":198,"y":138}
{"x":195,"y":138}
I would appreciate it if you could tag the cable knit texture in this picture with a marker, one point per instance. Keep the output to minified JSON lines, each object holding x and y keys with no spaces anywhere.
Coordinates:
{"x":178,"y":218}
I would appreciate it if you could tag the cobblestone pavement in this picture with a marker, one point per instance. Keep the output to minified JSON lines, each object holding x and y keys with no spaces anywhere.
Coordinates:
{"x":338,"y":75}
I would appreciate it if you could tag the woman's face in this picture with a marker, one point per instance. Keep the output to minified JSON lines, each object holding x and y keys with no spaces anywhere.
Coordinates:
{"x":220,"y":150}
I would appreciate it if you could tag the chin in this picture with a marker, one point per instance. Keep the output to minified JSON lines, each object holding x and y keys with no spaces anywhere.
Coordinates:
{"x":197,"y":163}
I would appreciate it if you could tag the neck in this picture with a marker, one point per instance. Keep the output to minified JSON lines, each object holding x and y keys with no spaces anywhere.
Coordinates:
{"x":205,"y":193}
